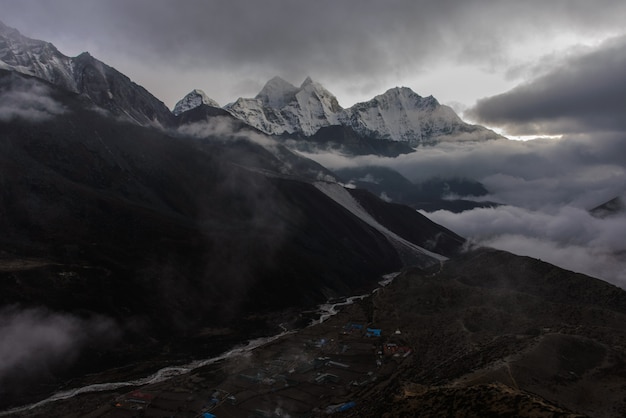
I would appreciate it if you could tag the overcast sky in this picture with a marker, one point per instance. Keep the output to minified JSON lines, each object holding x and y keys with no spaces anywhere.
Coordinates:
{"x":458,"y":51}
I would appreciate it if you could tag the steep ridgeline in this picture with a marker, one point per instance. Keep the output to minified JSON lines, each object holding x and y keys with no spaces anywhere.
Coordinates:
{"x":613,"y":207}
{"x":106,"y":87}
{"x":283,"y":108}
{"x":192,"y":100}
{"x":400,"y":114}
{"x":397,"y":115}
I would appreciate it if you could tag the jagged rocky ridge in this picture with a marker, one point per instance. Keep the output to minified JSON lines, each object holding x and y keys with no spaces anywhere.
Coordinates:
{"x":397,"y":115}
{"x":283,"y":108}
{"x":280,"y":107}
{"x":192,"y":100}
{"x":106,"y":87}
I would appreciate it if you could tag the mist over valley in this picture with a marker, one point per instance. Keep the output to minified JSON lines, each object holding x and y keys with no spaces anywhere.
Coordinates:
{"x":284,"y":254}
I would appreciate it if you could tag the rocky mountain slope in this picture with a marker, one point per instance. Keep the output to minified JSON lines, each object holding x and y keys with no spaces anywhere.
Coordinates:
{"x":490,"y":317}
{"x":106,"y":87}
{"x":192,"y":100}
{"x":399,"y":114}
{"x":164,"y":235}
{"x":279,"y":109}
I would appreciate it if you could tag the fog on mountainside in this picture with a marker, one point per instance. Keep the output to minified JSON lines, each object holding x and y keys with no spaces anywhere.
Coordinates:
{"x":136,"y":238}
{"x":162,"y":235}
{"x":543,"y":189}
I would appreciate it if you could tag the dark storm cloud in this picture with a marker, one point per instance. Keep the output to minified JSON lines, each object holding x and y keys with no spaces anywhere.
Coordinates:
{"x":359,"y":42}
{"x":581,"y":94}
{"x":363,"y":36}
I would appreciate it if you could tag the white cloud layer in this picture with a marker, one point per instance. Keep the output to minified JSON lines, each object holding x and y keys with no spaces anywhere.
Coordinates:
{"x":580,"y":171}
{"x":34,"y":341}
{"x":548,"y":187}
{"x":567,"y":237}
{"x":27,"y":100}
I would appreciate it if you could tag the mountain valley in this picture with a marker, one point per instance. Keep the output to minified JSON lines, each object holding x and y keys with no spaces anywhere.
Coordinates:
{"x":143,"y":248}
{"x":469,"y":338}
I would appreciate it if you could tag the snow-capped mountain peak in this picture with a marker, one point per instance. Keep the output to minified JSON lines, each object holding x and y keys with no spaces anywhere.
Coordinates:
{"x":405,"y":97}
{"x":313,"y":88}
{"x":192,"y":100}
{"x":35,"y":58}
{"x":315,"y":107}
{"x":399,"y":114}
{"x":306,"y":82}
{"x":280,"y":107}
{"x":277,"y":93}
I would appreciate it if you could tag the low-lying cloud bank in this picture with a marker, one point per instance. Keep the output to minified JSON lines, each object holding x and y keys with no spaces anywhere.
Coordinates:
{"x":35,"y":341}
{"x":567,"y":236}
{"x":28,"y":100}
{"x":547,"y":187}
{"x":225,"y":128}
{"x":579,"y":171}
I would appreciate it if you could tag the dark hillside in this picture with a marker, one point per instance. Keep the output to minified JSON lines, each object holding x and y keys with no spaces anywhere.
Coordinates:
{"x":166,"y":234}
{"x":483,"y":335}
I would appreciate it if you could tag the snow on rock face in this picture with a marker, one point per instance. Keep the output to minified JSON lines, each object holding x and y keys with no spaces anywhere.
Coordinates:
{"x":192,"y":100}
{"x":402,"y":115}
{"x":265,"y":118}
{"x":340,"y":195}
{"x":316,"y":107}
{"x":106,"y":87}
{"x":398,"y":115}
{"x":36,"y":58}
{"x":277,"y":93}
{"x":280,"y":107}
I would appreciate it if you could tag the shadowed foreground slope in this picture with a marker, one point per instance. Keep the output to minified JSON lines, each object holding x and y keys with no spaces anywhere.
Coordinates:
{"x":494,"y":333}
{"x":488,"y":334}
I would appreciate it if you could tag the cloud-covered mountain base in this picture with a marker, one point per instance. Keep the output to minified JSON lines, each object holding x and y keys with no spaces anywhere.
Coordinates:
{"x":580,"y":170}
{"x":546,"y":186}
{"x":568,"y":237}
